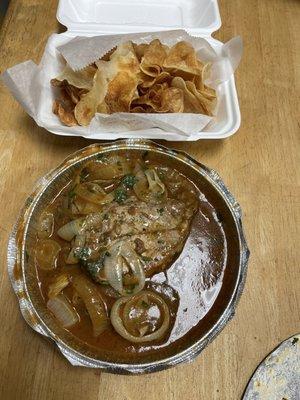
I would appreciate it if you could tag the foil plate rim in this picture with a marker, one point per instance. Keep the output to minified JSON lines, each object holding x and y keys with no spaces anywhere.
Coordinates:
{"x":77,"y":359}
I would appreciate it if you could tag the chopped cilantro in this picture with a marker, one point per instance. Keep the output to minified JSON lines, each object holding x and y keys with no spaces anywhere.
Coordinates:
{"x":93,"y":268}
{"x":120,"y":195}
{"x":144,"y":258}
{"x":145,"y":304}
{"x":72,"y":193}
{"x":82,"y":254}
{"x":161,"y":210}
{"x":104,"y":283}
{"x":129,"y":181}
{"x":295,"y":340}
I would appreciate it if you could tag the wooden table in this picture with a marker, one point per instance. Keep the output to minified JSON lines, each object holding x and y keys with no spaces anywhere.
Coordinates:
{"x":259,"y":164}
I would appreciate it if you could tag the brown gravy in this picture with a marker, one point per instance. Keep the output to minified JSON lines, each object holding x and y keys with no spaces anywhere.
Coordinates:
{"x":190,"y":285}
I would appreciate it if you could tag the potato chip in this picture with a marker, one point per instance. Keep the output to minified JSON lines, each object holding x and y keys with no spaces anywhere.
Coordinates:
{"x":82,"y":79}
{"x":194,"y":100}
{"x":153,"y":59}
{"x":162,"y":98}
{"x":66,"y":117}
{"x":108,"y":82}
{"x":182,"y":58}
{"x":172,"y":100}
{"x":122,"y":75}
{"x":86,"y":108}
{"x":139,"y":50}
{"x":121,"y":91}
{"x":148,"y":81}
{"x":137,"y":78}
{"x":208,"y":104}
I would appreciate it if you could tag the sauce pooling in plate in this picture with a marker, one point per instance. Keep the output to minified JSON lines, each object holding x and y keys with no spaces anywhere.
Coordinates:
{"x":123,"y":253}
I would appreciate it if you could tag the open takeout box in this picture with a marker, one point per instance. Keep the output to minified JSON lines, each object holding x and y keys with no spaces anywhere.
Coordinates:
{"x":87,"y":18}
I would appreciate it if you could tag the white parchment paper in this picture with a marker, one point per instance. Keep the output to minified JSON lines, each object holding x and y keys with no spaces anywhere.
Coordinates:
{"x":30,"y":85}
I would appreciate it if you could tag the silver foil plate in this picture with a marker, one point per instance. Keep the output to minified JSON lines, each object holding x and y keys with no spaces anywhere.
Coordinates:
{"x":16,"y":259}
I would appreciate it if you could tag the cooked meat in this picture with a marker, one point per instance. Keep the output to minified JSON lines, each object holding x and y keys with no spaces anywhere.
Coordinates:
{"x":116,"y":221}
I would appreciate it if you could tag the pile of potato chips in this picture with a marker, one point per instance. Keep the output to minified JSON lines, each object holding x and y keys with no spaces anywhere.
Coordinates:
{"x":143,"y":78}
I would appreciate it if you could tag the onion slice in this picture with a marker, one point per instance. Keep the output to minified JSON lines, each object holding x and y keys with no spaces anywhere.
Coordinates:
{"x":149,"y":187}
{"x":46,"y":253}
{"x":121,"y":256}
{"x":93,"y":193}
{"x":117,"y":316}
{"x":155,"y":184}
{"x":63,"y":311}
{"x":93,"y":303}
{"x":60,"y":283}
{"x":78,"y":245}
{"x":110,"y":167}
{"x":71,"y":229}
{"x":45,"y":225}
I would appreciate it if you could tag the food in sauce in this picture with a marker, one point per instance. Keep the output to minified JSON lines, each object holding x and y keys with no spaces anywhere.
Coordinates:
{"x":102,"y":242}
{"x":136,"y":78}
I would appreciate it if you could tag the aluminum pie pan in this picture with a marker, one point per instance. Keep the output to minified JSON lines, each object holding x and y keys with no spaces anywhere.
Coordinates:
{"x":17,"y":259}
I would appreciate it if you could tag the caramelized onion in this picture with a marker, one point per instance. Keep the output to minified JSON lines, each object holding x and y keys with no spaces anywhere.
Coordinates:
{"x":60,"y":283}
{"x":93,"y":193}
{"x":120,"y":313}
{"x":83,"y":207}
{"x":122,"y":260}
{"x":78,"y":245}
{"x":110,"y":167}
{"x":63,"y":311}
{"x":148,"y":186}
{"x":45,"y":225}
{"x":155,"y":184}
{"x":46,"y":253}
{"x":93,"y":301}
{"x":71,"y":229}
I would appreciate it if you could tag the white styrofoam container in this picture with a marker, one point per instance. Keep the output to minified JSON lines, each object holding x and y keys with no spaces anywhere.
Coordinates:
{"x":198,"y":17}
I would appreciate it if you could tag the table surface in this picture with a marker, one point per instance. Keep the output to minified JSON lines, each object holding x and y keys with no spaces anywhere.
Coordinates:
{"x":259,"y":165}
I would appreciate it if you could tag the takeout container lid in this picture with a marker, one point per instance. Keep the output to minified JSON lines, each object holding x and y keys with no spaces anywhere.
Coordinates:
{"x":198,"y":17}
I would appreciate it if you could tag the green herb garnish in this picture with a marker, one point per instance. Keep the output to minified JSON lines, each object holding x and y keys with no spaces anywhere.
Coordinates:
{"x":146,"y":259}
{"x":82,"y":254}
{"x":120,"y":195}
{"x":144,"y":304}
{"x":129,"y":181}
{"x":295,"y":340}
{"x":161,"y":210}
{"x":104,"y":283}
{"x":72,"y":193}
